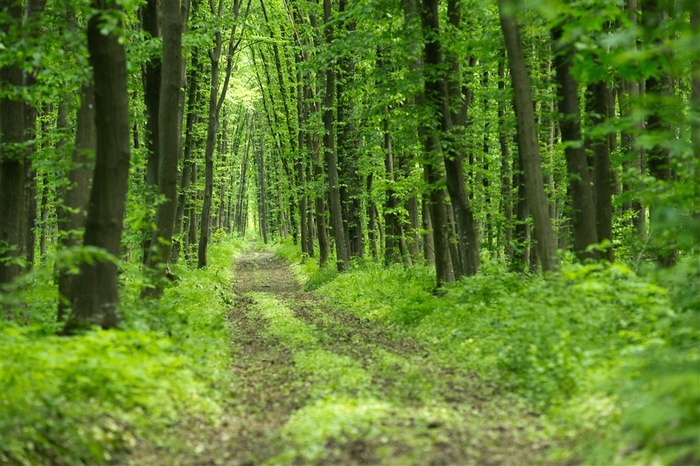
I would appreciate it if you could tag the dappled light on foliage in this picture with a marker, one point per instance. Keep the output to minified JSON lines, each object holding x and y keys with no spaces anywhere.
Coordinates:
{"x":445,"y":232}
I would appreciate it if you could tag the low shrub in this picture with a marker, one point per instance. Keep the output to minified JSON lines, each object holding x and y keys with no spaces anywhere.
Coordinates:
{"x":611,"y":357}
{"x":88,"y":398}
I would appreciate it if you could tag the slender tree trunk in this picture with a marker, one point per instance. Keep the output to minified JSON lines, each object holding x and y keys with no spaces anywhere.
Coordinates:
{"x":521,"y":232}
{"x":527,"y":138}
{"x":216,"y":101}
{"x":95,"y":298}
{"x":437,"y":97}
{"x":262,"y":195}
{"x":187,"y":160}
{"x":169,"y":145}
{"x":151,"y":79}
{"x":372,"y":222}
{"x":77,"y":194}
{"x":341,"y":248}
{"x":658,"y":157}
{"x":321,"y":228}
{"x":583,"y":209}
{"x":601,"y":167}
{"x":12,"y":164}
{"x":433,"y":98}
{"x":506,"y":207}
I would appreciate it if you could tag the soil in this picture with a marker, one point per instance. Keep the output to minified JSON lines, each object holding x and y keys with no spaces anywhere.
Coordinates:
{"x":268,"y":389}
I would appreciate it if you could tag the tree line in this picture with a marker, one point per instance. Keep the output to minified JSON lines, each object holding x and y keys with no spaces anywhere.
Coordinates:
{"x":411,"y":131}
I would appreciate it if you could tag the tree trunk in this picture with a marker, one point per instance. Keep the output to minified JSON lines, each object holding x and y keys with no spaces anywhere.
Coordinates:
{"x":521,"y":232}
{"x":597,"y":95}
{"x":527,"y":138}
{"x":169,"y":145}
{"x":505,"y":233}
{"x":341,"y":248}
{"x":71,"y":216}
{"x":437,"y":98}
{"x":95,"y":292}
{"x":324,"y":245}
{"x":216,"y":101}
{"x":151,"y":79}
{"x":12,"y":165}
{"x":262,"y":196}
{"x":187,"y":160}
{"x":658,"y":157}
{"x":583,"y":209}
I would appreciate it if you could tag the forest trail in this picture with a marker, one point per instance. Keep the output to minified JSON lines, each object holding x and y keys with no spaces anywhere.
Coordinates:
{"x":315,"y":385}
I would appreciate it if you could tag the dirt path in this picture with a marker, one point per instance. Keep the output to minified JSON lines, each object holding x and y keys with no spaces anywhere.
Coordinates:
{"x":316,"y":385}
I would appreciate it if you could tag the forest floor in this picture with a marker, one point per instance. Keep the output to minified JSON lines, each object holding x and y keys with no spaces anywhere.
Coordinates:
{"x":313,"y":384}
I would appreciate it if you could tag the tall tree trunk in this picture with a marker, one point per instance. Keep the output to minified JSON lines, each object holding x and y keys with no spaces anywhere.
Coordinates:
{"x":583,"y":209}
{"x":597,"y":99}
{"x":77,"y":193}
{"x":521,"y":232}
{"x":12,"y":163}
{"x":433,"y":97}
{"x":95,"y":298}
{"x":658,"y":157}
{"x":262,"y":195}
{"x":151,"y":78}
{"x":392,"y":253}
{"x":527,"y":138}
{"x":169,"y":145}
{"x":324,"y":245}
{"x":505,"y":233}
{"x":372,"y":226}
{"x":187,"y":161}
{"x":437,"y":97}
{"x":341,"y":247}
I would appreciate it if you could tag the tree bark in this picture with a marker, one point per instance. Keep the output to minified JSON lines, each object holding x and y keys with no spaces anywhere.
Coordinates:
{"x":597,"y":99}
{"x":527,"y":138}
{"x":151,"y":79}
{"x":72,"y":211}
{"x":187,"y":161}
{"x":583,"y":209}
{"x":341,"y":248}
{"x":658,"y":157}
{"x":505,"y":232}
{"x":13,"y":164}
{"x":95,"y":292}
{"x":169,"y":145}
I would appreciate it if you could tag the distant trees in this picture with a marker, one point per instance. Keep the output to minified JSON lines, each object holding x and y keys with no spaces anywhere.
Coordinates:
{"x":412,"y":132}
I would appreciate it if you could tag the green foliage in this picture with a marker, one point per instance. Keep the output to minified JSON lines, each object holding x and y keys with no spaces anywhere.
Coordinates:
{"x":88,"y":398}
{"x":282,"y":323}
{"x":306,"y":269}
{"x":606,"y":354}
{"x":310,"y":428}
{"x":394,"y":295}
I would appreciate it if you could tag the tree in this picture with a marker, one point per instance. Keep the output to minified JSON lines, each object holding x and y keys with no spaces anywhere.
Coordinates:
{"x":433,"y":99}
{"x":12,"y":159}
{"x":527,"y":137}
{"x":169,"y":143}
{"x":95,"y":295}
{"x":341,"y":247}
{"x":582,"y":202}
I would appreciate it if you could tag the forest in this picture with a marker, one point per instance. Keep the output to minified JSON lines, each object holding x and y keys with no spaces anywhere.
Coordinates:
{"x":397,"y":232}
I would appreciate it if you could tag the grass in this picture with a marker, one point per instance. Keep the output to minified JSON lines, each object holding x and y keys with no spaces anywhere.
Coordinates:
{"x":86,"y":399}
{"x":611,"y":358}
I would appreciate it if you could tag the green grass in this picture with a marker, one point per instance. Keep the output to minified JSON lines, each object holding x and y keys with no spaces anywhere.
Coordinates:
{"x":610,"y":357}
{"x":86,"y":399}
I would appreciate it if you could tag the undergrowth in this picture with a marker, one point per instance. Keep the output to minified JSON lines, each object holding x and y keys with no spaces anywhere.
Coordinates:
{"x":610,"y":357}
{"x":87,"y":399}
